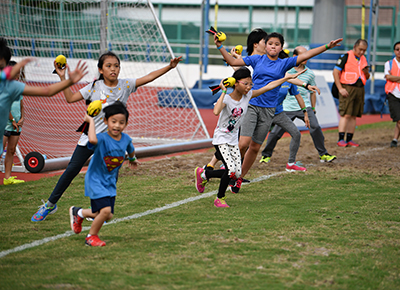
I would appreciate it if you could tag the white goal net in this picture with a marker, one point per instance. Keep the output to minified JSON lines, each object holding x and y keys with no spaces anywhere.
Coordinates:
{"x":160,"y":112}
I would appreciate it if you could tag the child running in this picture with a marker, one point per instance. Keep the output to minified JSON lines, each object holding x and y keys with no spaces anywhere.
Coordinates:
{"x":267,"y":68}
{"x":108,"y":88}
{"x":231,"y":108}
{"x":101,"y":178}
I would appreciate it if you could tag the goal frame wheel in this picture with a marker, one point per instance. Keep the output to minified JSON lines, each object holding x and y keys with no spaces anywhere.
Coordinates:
{"x":34,"y":162}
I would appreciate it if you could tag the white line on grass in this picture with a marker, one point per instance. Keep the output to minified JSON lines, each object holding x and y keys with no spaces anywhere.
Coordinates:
{"x":117,"y":220}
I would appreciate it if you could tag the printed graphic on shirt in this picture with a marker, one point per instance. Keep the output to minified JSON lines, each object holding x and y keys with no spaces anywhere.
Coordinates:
{"x":113,"y":162}
{"x":233,"y":119}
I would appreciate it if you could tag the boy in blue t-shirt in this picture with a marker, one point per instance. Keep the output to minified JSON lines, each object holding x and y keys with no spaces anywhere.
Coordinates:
{"x":101,"y":178}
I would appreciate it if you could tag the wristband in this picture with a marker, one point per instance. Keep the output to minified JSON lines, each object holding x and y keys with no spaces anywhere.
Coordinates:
{"x":304,"y":85}
{"x":219,"y":47}
{"x":326,"y":46}
{"x":313,"y":108}
{"x":304,"y":109}
{"x":133,"y":159}
{"x":224,"y":91}
{"x":12,"y":120}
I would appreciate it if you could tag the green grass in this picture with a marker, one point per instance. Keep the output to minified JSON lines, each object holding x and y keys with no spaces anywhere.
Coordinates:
{"x":323,"y":229}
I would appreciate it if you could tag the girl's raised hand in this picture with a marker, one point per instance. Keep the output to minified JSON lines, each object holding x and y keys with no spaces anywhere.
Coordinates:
{"x":221,"y":85}
{"x":174,"y":62}
{"x":335,"y":43}
{"x":60,"y":71}
{"x":80,"y":71}
{"x":293,"y":76}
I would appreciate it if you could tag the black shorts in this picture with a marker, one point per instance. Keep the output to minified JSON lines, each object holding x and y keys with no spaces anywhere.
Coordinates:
{"x":11,"y":133}
{"x":98,"y":204}
{"x":394,"y":107}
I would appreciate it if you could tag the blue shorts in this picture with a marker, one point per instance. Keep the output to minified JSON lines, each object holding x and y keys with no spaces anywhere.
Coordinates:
{"x":98,"y":204}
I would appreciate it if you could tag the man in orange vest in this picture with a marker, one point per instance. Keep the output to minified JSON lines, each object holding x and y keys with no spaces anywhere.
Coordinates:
{"x":350,"y":75}
{"x":392,"y":89}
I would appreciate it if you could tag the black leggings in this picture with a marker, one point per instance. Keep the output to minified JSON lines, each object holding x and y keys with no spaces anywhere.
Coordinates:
{"x":220,"y":173}
{"x":78,"y":159}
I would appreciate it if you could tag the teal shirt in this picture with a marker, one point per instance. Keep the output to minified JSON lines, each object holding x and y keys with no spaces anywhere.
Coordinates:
{"x":290,"y":103}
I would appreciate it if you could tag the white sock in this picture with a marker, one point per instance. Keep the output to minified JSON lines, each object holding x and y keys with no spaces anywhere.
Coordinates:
{"x":80,"y":213}
{"x":291,"y":164}
{"x":89,"y":235}
{"x":395,"y":140}
{"x":203,"y":175}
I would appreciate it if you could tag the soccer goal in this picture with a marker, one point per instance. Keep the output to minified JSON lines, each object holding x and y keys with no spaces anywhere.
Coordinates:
{"x":161,"y":112}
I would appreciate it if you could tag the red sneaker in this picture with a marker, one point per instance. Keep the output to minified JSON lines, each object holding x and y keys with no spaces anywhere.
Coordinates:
{"x":342,"y":143}
{"x":75,"y":219}
{"x":236,"y":187}
{"x":351,"y":143}
{"x":294,"y":167}
{"x":94,"y":241}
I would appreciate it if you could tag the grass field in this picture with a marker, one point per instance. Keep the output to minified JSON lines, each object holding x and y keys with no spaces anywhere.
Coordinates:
{"x":326,"y":229}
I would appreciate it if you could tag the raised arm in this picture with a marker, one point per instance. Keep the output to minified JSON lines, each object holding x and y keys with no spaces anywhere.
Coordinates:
{"x":219,"y":105}
{"x":92,"y":130}
{"x":274,"y":84}
{"x":68,"y":94}
{"x":53,"y":89}
{"x":228,"y":58}
{"x":17,"y":68}
{"x":318,"y":50}
{"x":157,"y":73}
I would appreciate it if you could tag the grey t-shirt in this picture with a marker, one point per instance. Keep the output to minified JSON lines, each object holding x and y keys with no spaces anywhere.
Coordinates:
{"x":108,"y":96}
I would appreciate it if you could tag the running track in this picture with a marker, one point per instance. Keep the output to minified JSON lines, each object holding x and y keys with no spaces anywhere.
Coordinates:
{"x":210,"y":121}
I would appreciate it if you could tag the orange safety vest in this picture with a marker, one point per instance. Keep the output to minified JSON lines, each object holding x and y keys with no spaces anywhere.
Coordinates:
{"x":395,"y":71}
{"x":353,"y":69}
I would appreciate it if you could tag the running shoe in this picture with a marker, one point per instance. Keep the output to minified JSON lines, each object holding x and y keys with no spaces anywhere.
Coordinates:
{"x":43,"y":211}
{"x":94,"y":241}
{"x":75,"y":219}
{"x":238,"y":184}
{"x":327,"y":158}
{"x":393,"y":143}
{"x":12,"y":180}
{"x":220,"y":202}
{"x":265,"y":159}
{"x":294,"y":168}
{"x":351,"y":143}
{"x":342,"y":143}
{"x":199,"y":182}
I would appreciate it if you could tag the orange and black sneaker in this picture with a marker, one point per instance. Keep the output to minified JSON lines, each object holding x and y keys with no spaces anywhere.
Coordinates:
{"x":94,"y":241}
{"x":75,"y":219}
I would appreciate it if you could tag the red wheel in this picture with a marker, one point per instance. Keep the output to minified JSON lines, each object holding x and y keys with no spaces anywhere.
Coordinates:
{"x":34,"y":162}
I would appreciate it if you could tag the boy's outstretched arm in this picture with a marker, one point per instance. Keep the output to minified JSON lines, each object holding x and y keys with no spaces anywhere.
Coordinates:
{"x":92,"y":130}
{"x":157,"y":73}
{"x":274,"y":84}
{"x":53,"y":89}
{"x":318,"y":50}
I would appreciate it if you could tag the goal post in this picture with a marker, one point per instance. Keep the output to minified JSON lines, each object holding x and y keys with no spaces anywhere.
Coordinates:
{"x":161,"y":112}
